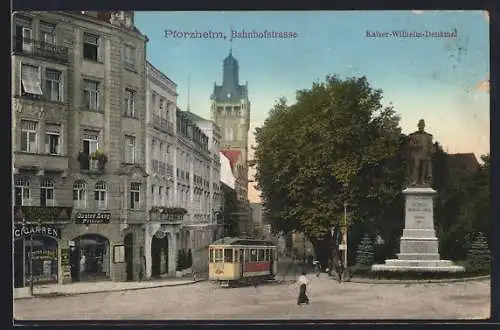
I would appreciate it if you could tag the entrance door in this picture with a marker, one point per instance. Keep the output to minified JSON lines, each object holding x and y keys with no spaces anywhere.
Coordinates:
{"x":129,"y":256}
{"x":94,"y":259}
{"x":18,"y":263}
{"x":156,"y":248}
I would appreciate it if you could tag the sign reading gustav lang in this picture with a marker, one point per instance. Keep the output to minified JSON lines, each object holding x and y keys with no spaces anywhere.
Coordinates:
{"x":93,"y":218}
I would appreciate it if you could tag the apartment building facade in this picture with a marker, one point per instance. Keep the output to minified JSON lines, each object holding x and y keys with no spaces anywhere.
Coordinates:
{"x":163,"y":227}
{"x":207,"y":184}
{"x":79,"y":85}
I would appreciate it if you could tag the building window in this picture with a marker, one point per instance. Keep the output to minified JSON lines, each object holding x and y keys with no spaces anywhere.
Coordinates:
{"x":129,"y":149}
{"x":79,"y":194}
{"x":90,"y":46}
{"x":135,"y":196}
{"x":22,"y":191}
{"x":91,"y":94}
{"x":129,"y":56}
{"x":161,"y":107}
{"x":153,"y":194}
{"x":153,"y":101}
{"x":160,"y":196}
{"x":160,"y":152}
{"x":31,"y":80}
{"x":28,"y":136}
{"x":101,"y":195}
{"x":53,"y":85}
{"x":129,"y":103}
{"x":52,"y":139}
{"x":47,"y":192}
{"x":90,"y":142}
{"x":47,"y":33}
{"x":24,"y":33}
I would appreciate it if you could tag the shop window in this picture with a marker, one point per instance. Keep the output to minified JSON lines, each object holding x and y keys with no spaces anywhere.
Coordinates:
{"x":41,"y":253}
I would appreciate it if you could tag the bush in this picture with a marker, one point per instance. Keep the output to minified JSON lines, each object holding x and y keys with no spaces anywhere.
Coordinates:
{"x":366,"y":253}
{"x":181,"y":260}
{"x":478,"y":256}
{"x":189,"y":259}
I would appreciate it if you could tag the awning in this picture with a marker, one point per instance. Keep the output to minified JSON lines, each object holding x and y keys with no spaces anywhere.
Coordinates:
{"x":31,"y":80}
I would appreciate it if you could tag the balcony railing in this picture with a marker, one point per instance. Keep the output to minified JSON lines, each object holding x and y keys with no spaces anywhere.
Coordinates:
{"x":40,"y":49}
{"x":163,"y":124}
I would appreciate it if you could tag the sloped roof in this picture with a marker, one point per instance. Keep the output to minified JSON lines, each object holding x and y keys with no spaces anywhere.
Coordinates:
{"x":194,"y":117}
{"x":232,"y":155}
{"x":463,"y":161}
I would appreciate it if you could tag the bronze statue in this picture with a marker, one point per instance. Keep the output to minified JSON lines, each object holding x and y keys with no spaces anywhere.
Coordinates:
{"x":420,"y":149}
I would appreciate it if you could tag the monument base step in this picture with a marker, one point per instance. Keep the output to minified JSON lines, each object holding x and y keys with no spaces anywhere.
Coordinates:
{"x":419,"y":256}
{"x":397,"y":265}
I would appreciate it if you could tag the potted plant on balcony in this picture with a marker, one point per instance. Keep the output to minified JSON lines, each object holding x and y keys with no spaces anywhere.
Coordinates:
{"x":101,"y":159}
{"x":83,"y":158}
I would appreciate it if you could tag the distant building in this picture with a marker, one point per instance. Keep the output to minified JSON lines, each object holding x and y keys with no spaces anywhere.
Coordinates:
{"x":463,"y":161}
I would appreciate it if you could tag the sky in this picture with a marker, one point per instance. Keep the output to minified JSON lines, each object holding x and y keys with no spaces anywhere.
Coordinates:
{"x":444,"y":80}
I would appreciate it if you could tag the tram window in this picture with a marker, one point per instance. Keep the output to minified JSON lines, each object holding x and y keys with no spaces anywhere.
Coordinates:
{"x":247,"y":255}
{"x":235,"y":252}
{"x":211,"y":255}
{"x":228,"y":255}
{"x":218,"y":255}
{"x":261,"y":255}
{"x":268,"y":255}
{"x":253,"y":254}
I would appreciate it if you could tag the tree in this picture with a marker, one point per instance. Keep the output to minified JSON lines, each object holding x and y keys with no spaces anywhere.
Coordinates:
{"x":337,"y":143}
{"x":478,"y":256}
{"x":366,"y":252}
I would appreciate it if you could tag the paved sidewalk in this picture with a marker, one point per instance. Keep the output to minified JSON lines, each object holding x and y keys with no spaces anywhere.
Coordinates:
{"x":97,"y":287}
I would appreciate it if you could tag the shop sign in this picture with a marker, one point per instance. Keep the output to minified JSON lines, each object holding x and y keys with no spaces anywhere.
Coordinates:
{"x":93,"y":218}
{"x":42,"y":230}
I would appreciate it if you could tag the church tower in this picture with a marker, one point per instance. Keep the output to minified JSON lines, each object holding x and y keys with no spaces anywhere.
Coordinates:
{"x":230,"y":110}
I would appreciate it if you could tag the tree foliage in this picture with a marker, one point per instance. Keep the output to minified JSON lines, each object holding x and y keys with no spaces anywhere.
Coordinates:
{"x":336,"y":144}
{"x":478,"y":256}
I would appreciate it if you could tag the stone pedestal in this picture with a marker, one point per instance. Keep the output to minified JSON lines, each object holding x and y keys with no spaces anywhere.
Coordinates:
{"x":419,"y":244}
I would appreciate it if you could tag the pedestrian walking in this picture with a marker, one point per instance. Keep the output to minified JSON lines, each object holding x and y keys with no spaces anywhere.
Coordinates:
{"x":303,"y":282}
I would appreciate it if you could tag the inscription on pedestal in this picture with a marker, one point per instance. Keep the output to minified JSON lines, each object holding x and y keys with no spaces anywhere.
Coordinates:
{"x":419,"y":213}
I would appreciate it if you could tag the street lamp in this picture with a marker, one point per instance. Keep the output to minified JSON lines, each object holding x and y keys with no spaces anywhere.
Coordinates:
{"x":344,"y":236}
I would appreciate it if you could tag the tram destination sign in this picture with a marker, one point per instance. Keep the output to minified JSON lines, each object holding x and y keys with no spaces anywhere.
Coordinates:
{"x":25,"y":231}
{"x":93,"y":218}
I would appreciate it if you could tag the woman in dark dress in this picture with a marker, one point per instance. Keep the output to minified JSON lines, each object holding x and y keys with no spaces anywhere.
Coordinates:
{"x":303,"y":281}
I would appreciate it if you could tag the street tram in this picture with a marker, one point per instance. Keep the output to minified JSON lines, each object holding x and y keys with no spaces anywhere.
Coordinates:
{"x":239,"y":260}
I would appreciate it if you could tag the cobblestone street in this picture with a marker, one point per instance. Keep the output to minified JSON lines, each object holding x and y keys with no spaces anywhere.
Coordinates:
{"x":329,"y":300}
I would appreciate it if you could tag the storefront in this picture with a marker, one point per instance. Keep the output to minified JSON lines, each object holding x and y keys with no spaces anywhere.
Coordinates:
{"x":35,"y":254}
{"x":89,"y":258}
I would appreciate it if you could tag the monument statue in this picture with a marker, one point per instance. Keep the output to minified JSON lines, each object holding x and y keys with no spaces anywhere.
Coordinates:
{"x":420,"y":149}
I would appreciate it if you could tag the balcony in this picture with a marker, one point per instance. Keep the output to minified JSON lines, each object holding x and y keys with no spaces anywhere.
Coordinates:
{"x":163,"y":125}
{"x":41,"y":49}
{"x":42,"y":214}
{"x":46,"y":162}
